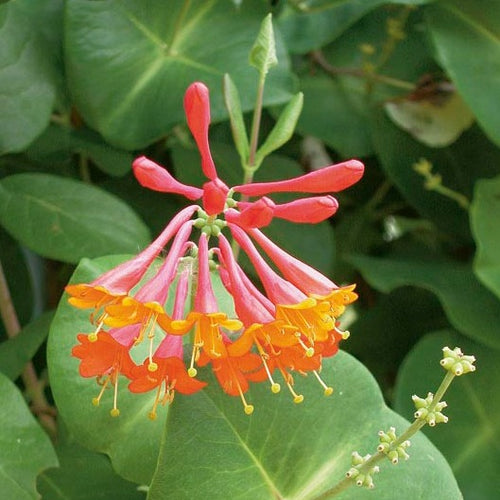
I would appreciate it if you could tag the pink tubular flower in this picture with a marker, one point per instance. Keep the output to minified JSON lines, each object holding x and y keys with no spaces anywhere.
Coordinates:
{"x":287,"y":328}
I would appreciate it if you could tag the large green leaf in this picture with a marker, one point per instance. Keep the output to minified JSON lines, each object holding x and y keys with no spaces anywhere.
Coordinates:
{"x":129,"y":62}
{"x":470,"y":307}
{"x":471,"y":436}
{"x":66,"y":219}
{"x":333,"y":114}
{"x":290,"y":451}
{"x":312,"y":243}
{"x":26,"y":449}
{"x":484,"y":215}
{"x":28,"y":74}
{"x":460,"y":32}
{"x":132,"y":440}
{"x":84,"y":475}
{"x":319,"y":22}
{"x":16,"y":352}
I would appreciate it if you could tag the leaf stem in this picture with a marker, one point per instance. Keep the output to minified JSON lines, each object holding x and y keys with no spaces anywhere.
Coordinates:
{"x":254,"y":136}
{"x":34,"y":388}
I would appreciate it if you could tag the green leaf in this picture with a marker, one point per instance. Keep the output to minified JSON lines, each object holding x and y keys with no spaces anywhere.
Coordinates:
{"x":460,"y":32}
{"x":318,"y":22}
{"x":470,"y":307}
{"x":469,"y":440}
{"x":484,"y":215}
{"x":84,"y":475}
{"x":27,"y":450}
{"x":336,"y":115}
{"x":313,"y":243}
{"x":282,"y":130}
{"x":130,"y":62}
{"x":110,"y":160}
{"x":131,"y":440}
{"x":65,"y":219}
{"x":263,"y":53}
{"x":290,"y":451}
{"x":27,"y":71}
{"x":16,"y":352}
{"x":452,"y":163}
{"x":233,"y":106}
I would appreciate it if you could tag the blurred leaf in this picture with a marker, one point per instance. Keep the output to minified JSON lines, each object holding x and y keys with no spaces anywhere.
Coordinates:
{"x":290,"y":451}
{"x":130,"y":62}
{"x":471,"y":436}
{"x":26,"y":449}
{"x":461,"y":31}
{"x":111,"y":160}
{"x":470,"y":307}
{"x":320,"y":22}
{"x":452,"y":163}
{"x":312,"y":243}
{"x":334,"y":114}
{"x":18,"y":277}
{"x":263,"y":53}
{"x":484,"y":214}
{"x":17,"y":351}
{"x":385,"y":332}
{"x":434,"y":124}
{"x":66,"y":219}
{"x":84,"y":475}
{"x":27,"y":71}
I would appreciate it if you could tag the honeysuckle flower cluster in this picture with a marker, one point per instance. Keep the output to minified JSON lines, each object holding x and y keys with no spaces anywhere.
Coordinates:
{"x":285,"y":325}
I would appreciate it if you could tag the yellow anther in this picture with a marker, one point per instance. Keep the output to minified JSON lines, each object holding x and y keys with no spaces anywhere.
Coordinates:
{"x":192,"y":372}
{"x":275,"y":388}
{"x":297,"y":399}
{"x":152,"y":415}
{"x":249,"y":409}
{"x":95,"y":401}
{"x":114,"y":412}
{"x":310,"y":352}
{"x":346,"y":334}
{"x":92,"y":337}
{"x":152,"y":366}
{"x":328,"y":391}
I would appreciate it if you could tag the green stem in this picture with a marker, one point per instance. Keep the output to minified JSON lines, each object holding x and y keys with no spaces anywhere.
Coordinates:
{"x":34,"y":388}
{"x":83,"y":164}
{"x":346,"y":482}
{"x":318,"y":57}
{"x":257,"y":114}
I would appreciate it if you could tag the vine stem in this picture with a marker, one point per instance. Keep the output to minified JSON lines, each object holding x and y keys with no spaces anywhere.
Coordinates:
{"x":249,"y":168}
{"x":318,"y":57}
{"x":34,"y":388}
{"x":346,"y":482}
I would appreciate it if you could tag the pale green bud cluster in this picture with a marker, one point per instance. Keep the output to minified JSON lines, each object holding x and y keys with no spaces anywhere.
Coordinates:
{"x":357,"y":472}
{"x":428,"y":411}
{"x":456,"y":362}
{"x":209,"y":225}
{"x":388,"y":446}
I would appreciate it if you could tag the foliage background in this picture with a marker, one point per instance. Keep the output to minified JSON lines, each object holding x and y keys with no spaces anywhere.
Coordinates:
{"x":87,"y":85}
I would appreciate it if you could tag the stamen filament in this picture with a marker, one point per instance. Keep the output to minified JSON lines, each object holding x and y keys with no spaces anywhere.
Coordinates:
{"x":328,"y":390}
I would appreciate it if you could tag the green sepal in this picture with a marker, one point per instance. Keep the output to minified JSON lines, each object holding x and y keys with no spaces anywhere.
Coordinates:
{"x":283,"y":129}
{"x":233,"y":105}
{"x":263,"y":53}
